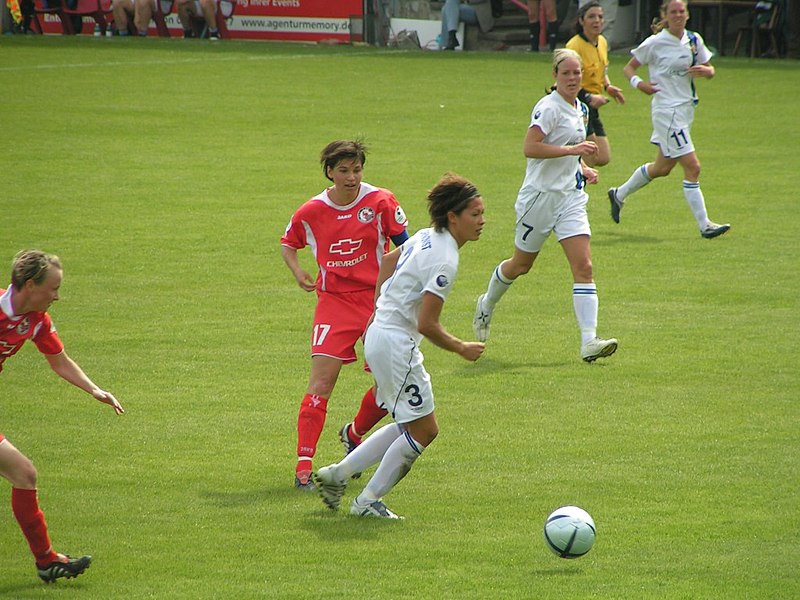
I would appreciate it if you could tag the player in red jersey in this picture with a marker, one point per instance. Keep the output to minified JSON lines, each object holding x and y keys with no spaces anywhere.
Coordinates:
{"x":348,"y":227}
{"x":35,"y":280}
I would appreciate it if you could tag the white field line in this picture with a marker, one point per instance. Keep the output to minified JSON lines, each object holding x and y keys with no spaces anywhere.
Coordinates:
{"x":182,"y":61}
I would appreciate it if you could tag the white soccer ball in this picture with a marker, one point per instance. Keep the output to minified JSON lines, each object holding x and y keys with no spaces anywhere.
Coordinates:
{"x":569,"y":532}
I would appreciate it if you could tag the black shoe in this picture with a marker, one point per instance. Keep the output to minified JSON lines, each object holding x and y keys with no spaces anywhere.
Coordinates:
{"x":616,"y":205}
{"x":303,"y":482}
{"x":713,"y":230}
{"x":64,"y":567}
{"x":452,"y":41}
{"x":213,"y":34}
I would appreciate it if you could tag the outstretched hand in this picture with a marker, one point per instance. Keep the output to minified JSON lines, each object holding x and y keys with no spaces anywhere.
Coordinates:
{"x":108,"y":398}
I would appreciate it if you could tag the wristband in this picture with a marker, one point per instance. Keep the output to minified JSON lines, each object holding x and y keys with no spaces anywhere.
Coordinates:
{"x":635,"y":81}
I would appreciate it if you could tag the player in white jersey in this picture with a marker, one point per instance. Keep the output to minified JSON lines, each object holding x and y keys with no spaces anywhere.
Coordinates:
{"x":414,"y":282}
{"x":552,"y":199}
{"x":674,"y":57}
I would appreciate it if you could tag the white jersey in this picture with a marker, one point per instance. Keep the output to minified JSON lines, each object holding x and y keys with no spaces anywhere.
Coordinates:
{"x":563,"y":124}
{"x":428,"y":263}
{"x":668,"y":60}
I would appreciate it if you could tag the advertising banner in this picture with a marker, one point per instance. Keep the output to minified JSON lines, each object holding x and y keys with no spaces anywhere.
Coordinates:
{"x":287,"y":20}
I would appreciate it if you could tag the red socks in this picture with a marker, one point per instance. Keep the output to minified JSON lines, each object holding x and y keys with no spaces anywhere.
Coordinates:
{"x":310,"y":422}
{"x":369,"y":414}
{"x":26,"y":510}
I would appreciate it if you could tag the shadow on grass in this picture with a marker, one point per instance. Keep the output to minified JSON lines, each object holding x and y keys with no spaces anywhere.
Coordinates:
{"x":556,"y":571}
{"x":338,"y":525}
{"x":624,"y":237}
{"x":33,"y":587}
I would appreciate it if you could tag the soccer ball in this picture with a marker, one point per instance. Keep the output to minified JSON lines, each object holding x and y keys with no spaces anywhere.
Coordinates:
{"x":569,"y":532}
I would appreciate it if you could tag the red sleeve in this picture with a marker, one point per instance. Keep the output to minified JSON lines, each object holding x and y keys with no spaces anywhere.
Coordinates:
{"x":394,"y":219}
{"x":295,"y":234}
{"x":46,"y":338}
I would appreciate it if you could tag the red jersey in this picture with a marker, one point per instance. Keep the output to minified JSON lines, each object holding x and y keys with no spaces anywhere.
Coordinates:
{"x":15,"y":329}
{"x":347,"y":241}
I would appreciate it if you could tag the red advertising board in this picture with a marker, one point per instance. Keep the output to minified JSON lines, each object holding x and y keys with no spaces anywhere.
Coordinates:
{"x":290,"y":20}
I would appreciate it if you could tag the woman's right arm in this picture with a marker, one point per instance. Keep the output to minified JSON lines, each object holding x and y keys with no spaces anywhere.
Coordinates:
{"x":303,"y":279}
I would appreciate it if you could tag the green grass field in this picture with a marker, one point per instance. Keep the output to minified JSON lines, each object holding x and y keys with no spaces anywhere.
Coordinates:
{"x":163,"y":173}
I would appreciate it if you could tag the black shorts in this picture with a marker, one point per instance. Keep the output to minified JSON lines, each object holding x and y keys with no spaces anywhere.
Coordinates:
{"x":595,"y":125}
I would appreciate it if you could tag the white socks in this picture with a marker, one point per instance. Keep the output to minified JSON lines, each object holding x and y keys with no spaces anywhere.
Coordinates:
{"x":395,"y":465}
{"x":370,"y":451}
{"x":693,"y":195}
{"x":637,"y":181}
{"x":584,"y":300}
{"x":498,"y":285}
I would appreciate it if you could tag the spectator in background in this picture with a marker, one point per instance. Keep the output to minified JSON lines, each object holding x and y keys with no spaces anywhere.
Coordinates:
{"x":206,"y":9}
{"x":131,"y":11}
{"x":535,"y":28}
{"x":592,"y":47}
{"x":473,"y":12}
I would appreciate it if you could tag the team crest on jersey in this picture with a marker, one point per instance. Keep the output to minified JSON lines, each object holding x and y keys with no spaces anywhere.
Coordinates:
{"x":366,"y":214}
{"x":399,"y":215}
{"x":537,"y":115}
{"x":24,"y":327}
{"x":441,"y":280}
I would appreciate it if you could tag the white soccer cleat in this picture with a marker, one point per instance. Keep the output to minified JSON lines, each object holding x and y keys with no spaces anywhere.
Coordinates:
{"x":481,"y":320}
{"x":331,"y":487}
{"x":372,"y":509}
{"x":713,"y":230}
{"x":598,"y":348}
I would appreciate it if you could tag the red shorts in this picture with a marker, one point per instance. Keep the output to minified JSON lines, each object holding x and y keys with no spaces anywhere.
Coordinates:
{"x":339,"y":322}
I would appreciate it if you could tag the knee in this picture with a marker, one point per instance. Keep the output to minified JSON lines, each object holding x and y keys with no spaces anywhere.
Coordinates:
{"x":692,"y":171}
{"x":24,"y":475}
{"x":582,"y":271}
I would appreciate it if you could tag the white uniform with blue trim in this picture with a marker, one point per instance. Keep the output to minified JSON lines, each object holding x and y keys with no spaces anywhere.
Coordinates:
{"x":551,"y":197}
{"x":428,"y":264}
{"x":668,"y":60}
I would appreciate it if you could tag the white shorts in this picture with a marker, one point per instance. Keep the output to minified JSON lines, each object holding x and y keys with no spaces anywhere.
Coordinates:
{"x":404,"y":386}
{"x":672,"y":130}
{"x":544,"y":212}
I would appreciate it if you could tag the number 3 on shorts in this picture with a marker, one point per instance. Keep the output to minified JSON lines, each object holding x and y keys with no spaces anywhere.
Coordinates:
{"x":414,"y":398}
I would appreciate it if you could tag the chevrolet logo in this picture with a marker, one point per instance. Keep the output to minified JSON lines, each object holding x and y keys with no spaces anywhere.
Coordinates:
{"x":345,"y":247}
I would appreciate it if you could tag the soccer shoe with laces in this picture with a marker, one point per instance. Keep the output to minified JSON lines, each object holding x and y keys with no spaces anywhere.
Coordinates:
{"x":65,"y":566}
{"x":348,"y":443}
{"x":372,"y":509}
{"x":713,"y":230}
{"x":481,"y":320}
{"x":302,"y":481}
{"x":616,"y":204}
{"x":598,"y":348}
{"x":330,"y":487}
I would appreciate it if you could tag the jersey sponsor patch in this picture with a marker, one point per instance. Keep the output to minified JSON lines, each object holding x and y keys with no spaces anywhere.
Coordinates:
{"x":442,"y":281}
{"x":399,"y":215}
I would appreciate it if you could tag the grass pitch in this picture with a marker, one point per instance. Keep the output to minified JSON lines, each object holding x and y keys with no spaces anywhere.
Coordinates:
{"x":163,"y":173}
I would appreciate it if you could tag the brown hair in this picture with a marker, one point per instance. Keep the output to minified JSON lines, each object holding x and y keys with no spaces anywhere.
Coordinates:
{"x":453,"y":193}
{"x":340,"y":150}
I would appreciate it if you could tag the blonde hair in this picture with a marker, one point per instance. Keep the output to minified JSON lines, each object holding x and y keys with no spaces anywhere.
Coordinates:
{"x":32,"y":265}
{"x":563,"y":54}
{"x":660,"y":22}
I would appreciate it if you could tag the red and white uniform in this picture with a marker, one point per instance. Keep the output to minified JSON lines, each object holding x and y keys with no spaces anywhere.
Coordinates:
{"x":15,"y":329}
{"x":348,"y":243}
